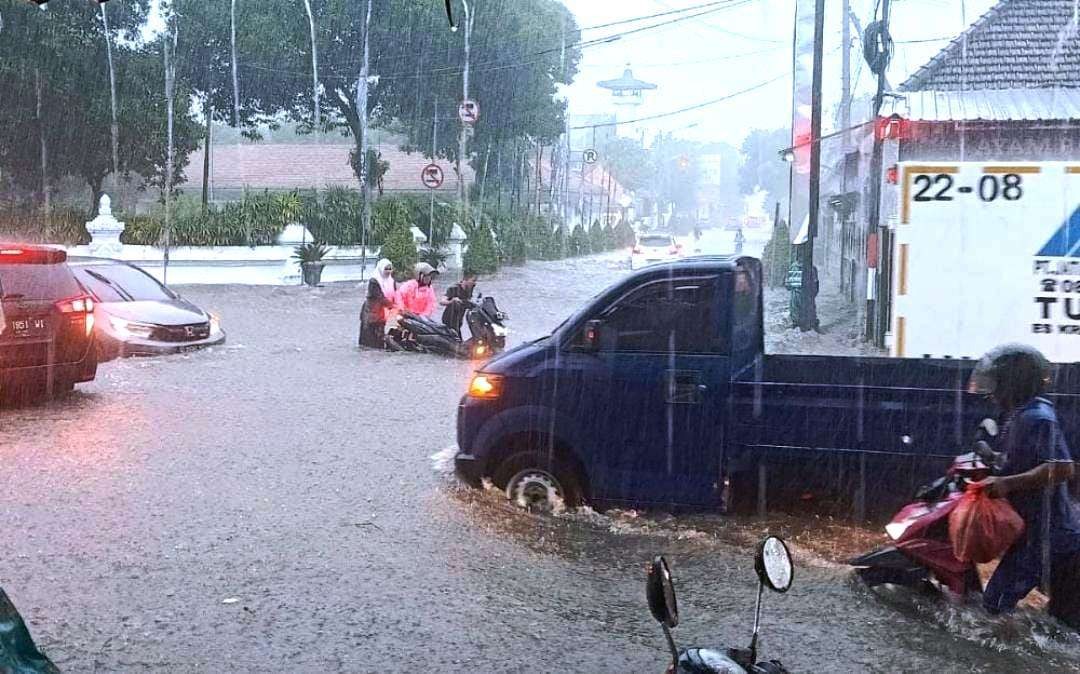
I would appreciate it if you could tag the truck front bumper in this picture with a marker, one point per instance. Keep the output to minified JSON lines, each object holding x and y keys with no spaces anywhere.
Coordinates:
{"x":468,"y":468}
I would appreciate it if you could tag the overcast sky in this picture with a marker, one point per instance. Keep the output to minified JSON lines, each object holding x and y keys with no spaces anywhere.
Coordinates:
{"x":740,"y":47}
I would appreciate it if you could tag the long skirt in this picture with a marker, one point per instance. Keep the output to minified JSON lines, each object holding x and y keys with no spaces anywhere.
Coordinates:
{"x":372,"y":333}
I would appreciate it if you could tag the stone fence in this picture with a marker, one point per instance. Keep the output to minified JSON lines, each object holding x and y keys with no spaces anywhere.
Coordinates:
{"x":249,"y":265}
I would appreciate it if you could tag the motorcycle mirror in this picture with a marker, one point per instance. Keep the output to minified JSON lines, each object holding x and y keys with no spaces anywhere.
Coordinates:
{"x":773,"y":564}
{"x":660,"y":591}
{"x":989,"y":426}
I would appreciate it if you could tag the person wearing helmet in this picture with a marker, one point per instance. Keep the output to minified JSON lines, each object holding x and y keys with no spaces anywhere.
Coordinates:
{"x":1037,"y":461}
{"x":416,"y":295}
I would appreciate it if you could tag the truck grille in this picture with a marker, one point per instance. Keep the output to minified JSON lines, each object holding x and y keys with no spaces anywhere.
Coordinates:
{"x":182,"y":333}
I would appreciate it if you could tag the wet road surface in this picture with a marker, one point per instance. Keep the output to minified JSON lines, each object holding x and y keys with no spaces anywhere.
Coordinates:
{"x":271,"y":505}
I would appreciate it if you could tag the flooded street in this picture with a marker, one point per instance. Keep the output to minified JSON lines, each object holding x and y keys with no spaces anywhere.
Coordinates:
{"x":272,"y":505}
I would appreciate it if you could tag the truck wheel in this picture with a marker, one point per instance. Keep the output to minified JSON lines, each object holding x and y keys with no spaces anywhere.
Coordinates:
{"x":538,"y":484}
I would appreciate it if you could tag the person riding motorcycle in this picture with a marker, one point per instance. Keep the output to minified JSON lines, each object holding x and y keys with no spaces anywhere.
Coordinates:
{"x":1036,"y":461}
{"x":416,"y":295}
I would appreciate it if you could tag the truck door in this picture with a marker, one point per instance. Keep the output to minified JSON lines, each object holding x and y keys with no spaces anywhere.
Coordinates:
{"x":658,"y":391}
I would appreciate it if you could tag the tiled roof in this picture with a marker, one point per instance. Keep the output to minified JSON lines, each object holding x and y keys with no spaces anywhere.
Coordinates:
{"x":988,"y":105}
{"x":286,"y":166}
{"x":1017,"y":44}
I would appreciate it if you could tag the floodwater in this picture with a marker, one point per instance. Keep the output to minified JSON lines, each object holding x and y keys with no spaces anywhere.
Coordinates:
{"x":272,"y":505}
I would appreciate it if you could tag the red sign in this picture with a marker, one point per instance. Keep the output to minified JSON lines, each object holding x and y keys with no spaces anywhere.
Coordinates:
{"x":432,"y":176}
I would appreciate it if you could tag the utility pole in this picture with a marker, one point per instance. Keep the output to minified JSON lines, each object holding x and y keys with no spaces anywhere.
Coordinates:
{"x":235,"y":79}
{"x":170,"y":96}
{"x":362,"y":83}
{"x":114,"y":127}
{"x":314,"y":63}
{"x":845,"y":74}
{"x":463,"y":192}
{"x":434,"y":150}
{"x":808,"y":320}
{"x":878,"y":310}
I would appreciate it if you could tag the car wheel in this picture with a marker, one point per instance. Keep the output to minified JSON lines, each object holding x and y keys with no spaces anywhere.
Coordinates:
{"x":538,"y":484}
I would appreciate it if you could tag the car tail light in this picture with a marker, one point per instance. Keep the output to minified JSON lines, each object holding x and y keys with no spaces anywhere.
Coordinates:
{"x":80,"y":309}
{"x":24,"y":255}
{"x":637,"y":250}
{"x":674,"y":250}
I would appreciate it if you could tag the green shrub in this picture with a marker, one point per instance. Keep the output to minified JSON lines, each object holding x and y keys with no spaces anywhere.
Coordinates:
{"x":480,"y":255}
{"x":434,"y":255}
{"x":624,"y":235}
{"x":596,"y":237}
{"x":67,"y":226}
{"x":609,"y":237}
{"x":579,"y":241}
{"x":334,"y":217}
{"x":387,"y":215}
{"x":513,"y":245}
{"x":776,"y":258}
{"x":400,"y":248}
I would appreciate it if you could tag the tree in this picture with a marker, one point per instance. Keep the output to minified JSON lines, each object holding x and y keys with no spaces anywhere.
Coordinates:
{"x":677,"y":172}
{"x":762,"y":167}
{"x":64,"y":50}
{"x":480,"y":255}
{"x":628,"y":161}
{"x":400,"y":248}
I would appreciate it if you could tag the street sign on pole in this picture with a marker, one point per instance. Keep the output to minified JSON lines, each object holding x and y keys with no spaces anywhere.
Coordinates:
{"x":590,"y":156}
{"x":469,"y":112}
{"x":432,"y":176}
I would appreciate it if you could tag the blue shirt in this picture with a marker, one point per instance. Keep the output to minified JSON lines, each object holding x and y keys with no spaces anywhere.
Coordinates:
{"x":1032,"y":438}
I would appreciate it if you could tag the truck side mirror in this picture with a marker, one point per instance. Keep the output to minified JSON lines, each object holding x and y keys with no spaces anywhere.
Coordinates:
{"x":591,"y":336}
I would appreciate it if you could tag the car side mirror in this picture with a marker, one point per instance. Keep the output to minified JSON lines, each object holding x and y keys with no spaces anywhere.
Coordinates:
{"x":989,"y":426}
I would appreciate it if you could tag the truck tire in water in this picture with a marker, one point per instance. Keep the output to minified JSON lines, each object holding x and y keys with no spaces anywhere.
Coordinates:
{"x":539,"y":484}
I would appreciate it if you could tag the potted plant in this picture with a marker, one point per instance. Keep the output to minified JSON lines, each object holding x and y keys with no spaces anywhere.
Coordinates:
{"x":310,"y":256}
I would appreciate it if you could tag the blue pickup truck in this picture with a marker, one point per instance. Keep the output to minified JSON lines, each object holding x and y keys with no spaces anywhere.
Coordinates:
{"x":658,"y":393}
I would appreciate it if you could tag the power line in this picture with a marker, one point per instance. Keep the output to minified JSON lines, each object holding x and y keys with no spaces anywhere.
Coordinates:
{"x":690,"y":108}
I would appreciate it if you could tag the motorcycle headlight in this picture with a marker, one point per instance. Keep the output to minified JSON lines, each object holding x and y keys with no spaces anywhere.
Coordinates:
{"x":128,"y":329}
{"x":499,"y":330}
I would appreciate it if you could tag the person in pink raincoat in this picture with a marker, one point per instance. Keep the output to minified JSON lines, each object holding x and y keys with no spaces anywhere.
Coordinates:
{"x":416,"y":295}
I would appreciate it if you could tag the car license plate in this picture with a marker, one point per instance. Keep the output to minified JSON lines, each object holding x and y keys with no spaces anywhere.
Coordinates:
{"x":29,"y":327}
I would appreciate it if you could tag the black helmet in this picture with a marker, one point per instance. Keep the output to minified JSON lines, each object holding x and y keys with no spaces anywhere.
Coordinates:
{"x":1012,"y":373}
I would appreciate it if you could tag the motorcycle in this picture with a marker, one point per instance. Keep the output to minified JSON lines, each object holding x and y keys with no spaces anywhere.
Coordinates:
{"x":921,"y":553}
{"x":486,"y":327}
{"x":774,"y":570}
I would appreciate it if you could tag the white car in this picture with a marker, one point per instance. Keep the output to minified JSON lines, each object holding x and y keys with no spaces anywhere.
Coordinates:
{"x":653,"y":248}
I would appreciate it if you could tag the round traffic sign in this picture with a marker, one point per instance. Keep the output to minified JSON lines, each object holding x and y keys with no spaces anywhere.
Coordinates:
{"x":469,"y":111}
{"x":590,"y":156}
{"x":432,"y":176}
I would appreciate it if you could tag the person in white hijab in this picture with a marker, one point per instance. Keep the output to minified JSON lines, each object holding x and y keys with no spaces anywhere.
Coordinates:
{"x":382,"y":295}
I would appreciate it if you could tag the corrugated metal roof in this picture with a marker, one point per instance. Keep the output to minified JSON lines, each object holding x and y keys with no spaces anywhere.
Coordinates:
{"x":992,"y":105}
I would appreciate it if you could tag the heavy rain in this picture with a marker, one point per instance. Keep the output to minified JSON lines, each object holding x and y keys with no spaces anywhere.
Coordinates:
{"x":396,"y":335}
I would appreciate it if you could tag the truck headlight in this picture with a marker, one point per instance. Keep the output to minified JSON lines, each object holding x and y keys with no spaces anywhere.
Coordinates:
{"x":485,"y":386}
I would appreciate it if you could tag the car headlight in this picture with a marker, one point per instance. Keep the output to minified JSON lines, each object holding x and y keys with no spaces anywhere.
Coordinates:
{"x":215,"y":324}
{"x":126,"y":329}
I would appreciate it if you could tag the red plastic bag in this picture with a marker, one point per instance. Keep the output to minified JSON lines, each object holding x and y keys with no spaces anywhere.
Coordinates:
{"x":982,"y":528}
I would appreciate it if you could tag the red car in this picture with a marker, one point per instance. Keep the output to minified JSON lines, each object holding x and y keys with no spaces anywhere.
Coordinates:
{"x":46,"y":323}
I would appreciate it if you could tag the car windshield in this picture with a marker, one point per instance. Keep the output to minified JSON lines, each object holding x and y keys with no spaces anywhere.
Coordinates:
{"x":121,"y":283}
{"x":419,"y":328}
{"x":655,"y":241}
{"x":37,"y":282}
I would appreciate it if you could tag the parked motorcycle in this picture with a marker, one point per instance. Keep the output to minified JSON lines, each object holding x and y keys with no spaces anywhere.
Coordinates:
{"x":775,"y":571}
{"x":921,"y":553}
{"x":486,"y":327}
